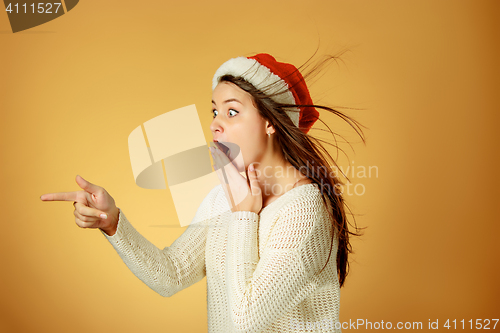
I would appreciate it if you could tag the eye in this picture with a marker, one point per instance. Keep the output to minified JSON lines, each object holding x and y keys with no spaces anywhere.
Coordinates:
{"x":231,"y":112}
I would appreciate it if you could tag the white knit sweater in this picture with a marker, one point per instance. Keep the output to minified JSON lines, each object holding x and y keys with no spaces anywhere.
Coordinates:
{"x":261,"y":268}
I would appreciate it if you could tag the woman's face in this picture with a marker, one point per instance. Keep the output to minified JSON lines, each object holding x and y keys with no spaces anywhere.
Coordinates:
{"x":237,"y":120}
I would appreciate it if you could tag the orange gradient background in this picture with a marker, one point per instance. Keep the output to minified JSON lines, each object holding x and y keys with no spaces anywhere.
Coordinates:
{"x":423,"y":74}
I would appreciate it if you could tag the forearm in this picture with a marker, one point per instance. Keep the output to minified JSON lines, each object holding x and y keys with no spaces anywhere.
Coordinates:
{"x":165,"y":271}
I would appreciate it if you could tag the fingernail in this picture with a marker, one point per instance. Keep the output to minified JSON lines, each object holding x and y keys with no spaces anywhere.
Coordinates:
{"x":251,"y":167}
{"x":103,"y":216}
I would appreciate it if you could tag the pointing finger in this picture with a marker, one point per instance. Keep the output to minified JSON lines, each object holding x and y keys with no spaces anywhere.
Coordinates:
{"x":59,"y":196}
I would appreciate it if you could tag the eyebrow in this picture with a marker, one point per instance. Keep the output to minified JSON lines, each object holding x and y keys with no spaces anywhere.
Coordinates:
{"x":229,"y":101}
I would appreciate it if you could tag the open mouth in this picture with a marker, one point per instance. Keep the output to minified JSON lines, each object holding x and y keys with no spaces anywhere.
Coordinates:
{"x":225,"y":149}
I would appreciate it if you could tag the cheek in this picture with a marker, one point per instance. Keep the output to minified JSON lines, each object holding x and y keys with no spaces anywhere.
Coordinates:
{"x":252,"y":140}
{"x":252,"y":147}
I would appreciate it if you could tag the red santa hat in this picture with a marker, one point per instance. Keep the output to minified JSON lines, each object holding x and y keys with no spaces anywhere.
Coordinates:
{"x":281,"y":80}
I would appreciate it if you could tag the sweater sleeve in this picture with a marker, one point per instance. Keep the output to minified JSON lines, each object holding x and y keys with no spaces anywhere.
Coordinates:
{"x":173,"y":268}
{"x":261,"y":290}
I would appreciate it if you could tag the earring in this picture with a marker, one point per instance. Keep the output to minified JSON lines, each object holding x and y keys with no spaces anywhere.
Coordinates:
{"x":268,"y":134}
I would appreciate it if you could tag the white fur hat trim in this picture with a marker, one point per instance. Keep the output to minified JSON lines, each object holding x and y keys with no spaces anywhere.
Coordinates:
{"x":261,"y":78}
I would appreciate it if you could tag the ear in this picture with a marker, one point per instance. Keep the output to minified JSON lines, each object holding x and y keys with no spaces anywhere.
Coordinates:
{"x":269,"y":127}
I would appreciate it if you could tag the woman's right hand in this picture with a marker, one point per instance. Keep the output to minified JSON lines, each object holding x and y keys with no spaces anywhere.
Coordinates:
{"x":94,"y":207}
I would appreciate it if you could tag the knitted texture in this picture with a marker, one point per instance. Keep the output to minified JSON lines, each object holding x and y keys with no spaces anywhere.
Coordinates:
{"x":262,"y":269}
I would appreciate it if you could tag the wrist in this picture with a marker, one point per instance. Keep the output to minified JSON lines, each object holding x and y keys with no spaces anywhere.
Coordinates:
{"x":113,"y":218}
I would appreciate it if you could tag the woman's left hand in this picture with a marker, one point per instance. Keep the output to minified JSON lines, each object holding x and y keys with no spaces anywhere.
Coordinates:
{"x":242,"y":194}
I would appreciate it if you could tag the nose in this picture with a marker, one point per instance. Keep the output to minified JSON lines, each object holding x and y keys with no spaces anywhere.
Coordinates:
{"x":217,"y":127}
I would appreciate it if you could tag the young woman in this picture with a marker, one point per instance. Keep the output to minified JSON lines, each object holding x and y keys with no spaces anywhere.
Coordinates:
{"x":264,"y":242}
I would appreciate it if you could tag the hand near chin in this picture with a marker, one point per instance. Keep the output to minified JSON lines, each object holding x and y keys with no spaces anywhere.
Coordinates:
{"x":242,"y":194}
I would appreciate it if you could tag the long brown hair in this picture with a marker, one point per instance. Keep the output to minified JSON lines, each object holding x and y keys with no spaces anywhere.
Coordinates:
{"x":307,"y":153}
